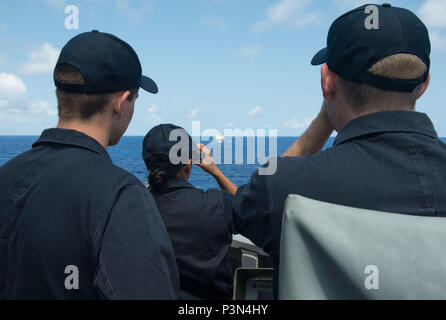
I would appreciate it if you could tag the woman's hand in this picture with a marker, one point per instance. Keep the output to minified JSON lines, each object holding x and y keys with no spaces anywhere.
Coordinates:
{"x":207,"y":164}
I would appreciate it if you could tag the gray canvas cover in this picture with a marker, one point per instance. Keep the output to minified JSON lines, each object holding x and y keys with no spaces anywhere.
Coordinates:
{"x":335,"y":252}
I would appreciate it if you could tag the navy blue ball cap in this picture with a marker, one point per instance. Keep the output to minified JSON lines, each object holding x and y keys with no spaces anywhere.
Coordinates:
{"x":157,"y":143}
{"x":320,"y":57}
{"x":149,"y":85}
{"x":353,"y":48}
{"x":107,"y":64}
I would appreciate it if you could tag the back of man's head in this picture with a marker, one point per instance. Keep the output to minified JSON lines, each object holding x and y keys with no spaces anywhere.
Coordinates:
{"x":91,"y":68}
{"x":80,"y":106}
{"x":380,"y":56}
{"x":363,"y":98}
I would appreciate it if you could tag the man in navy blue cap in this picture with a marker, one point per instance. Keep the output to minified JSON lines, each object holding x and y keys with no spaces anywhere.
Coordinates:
{"x":386,"y":157}
{"x":73,"y":225}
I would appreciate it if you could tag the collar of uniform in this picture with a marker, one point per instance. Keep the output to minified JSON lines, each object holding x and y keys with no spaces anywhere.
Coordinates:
{"x":72,"y":138}
{"x":385,"y":122}
{"x":172,"y":184}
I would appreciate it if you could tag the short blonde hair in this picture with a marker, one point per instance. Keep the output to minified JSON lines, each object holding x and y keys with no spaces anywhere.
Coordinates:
{"x":400,"y":66}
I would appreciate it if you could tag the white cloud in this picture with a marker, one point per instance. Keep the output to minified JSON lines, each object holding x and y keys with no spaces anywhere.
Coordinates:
{"x":153,"y":116}
{"x":193,"y":113}
{"x":438,"y":41}
{"x":347,"y":5}
{"x":135,"y":10}
{"x":229,"y":124}
{"x":250,"y":51}
{"x":57,"y":5}
{"x":254,"y":112}
{"x":15,"y":105}
{"x":153,"y":109}
{"x":42,"y":60}
{"x":295,"y":124}
{"x":12,"y":89}
{"x":42,"y":108}
{"x":433,"y":13}
{"x":291,"y":12}
{"x":214,"y":22}
{"x":285,"y":9}
{"x":40,"y":114}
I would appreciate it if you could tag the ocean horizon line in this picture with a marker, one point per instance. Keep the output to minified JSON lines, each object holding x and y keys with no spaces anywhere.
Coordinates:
{"x":133,"y":136}
{"x":142,"y":136}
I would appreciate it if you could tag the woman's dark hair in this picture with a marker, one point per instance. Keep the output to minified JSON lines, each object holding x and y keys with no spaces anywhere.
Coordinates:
{"x":158,"y":175}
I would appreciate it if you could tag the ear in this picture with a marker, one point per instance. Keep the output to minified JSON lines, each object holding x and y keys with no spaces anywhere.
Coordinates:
{"x":328,"y":83}
{"x":425,"y":85}
{"x":120,"y":103}
{"x":187,"y":169}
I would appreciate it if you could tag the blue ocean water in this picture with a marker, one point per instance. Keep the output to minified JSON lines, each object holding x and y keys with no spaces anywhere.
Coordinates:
{"x":127,"y":155}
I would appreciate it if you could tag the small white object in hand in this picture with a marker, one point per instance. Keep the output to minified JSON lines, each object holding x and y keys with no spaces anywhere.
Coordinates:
{"x":220,"y":138}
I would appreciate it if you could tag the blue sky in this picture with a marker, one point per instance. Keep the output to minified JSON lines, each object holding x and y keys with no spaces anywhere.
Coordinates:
{"x":227,"y":63}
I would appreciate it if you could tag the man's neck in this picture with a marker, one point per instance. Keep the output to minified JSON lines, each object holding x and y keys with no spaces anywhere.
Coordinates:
{"x":92,"y":129}
{"x":349,"y":115}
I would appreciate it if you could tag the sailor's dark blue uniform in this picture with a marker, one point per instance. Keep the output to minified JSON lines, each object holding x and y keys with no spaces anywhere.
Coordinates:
{"x":200,"y":227}
{"x":386,"y":161}
{"x":63,"y":204}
